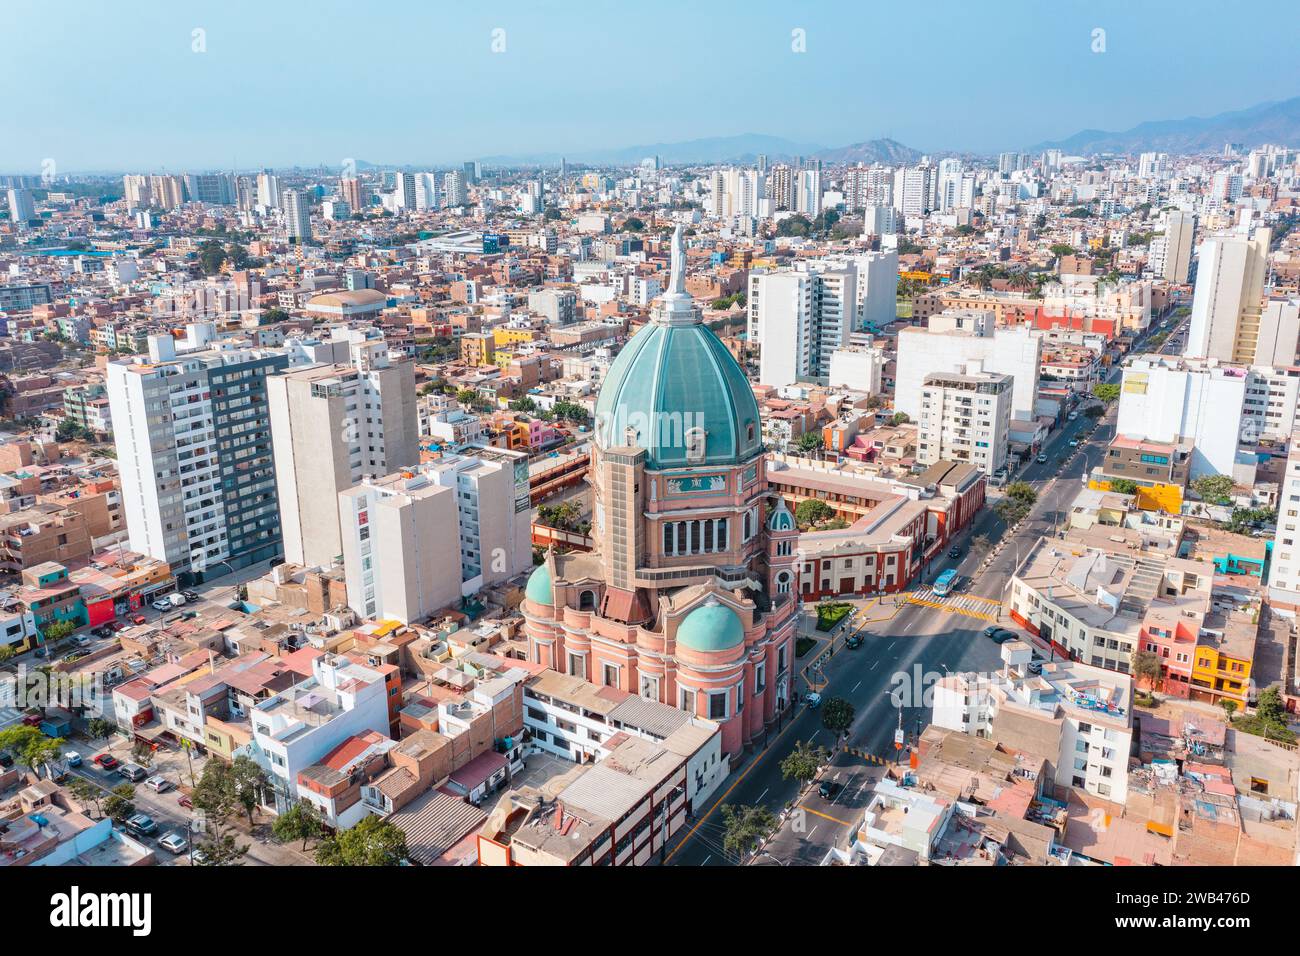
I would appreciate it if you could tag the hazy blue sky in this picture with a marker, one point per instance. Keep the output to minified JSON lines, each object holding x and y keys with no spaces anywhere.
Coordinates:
{"x":114,"y":85}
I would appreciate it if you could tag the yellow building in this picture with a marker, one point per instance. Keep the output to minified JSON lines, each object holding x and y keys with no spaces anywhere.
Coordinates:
{"x":504,"y":336}
{"x":477,"y":349}
{"x":1223,"y":671}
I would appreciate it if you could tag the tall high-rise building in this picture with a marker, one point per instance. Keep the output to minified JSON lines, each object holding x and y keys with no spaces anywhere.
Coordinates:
{"x":217,"y":189}
{"x":194,"y":452}
{"x":799,"y":318}
{"x":965,"y":416}
{"x":1176,"y":249}
{"x":808,"y":192}
{"x":297,"y":215}
{"x":332,"y":425}
{"x":1229,"y":297}
{"x":166,"y":192}
{"x":21,"y":207}
{"x":135,"y":190}
{"x":268,"y":190}
{"x":406,"y":191}
{"x":454,"y":189}
{"x":351,"y":190}
{"x":780,"y":187}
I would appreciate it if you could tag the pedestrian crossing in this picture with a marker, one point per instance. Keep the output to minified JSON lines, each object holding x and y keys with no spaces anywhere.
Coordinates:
{"x":8,"y":715}
{"x":983,"y":609}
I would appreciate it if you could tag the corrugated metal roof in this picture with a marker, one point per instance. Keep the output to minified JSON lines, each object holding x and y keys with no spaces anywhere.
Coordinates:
{"x":434,"y":823}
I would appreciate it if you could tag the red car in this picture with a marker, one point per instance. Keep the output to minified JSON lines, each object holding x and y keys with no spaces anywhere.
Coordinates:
{"x":139,"y":619}
{"x":185,"y":801}
{"x":106,"y":761}
{"x":33,"y":720}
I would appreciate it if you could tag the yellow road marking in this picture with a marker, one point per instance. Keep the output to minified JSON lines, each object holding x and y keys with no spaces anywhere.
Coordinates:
{"x":825,"y":816}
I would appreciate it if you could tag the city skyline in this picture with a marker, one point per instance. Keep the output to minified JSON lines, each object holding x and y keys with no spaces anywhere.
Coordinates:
{"x":532,"y":79}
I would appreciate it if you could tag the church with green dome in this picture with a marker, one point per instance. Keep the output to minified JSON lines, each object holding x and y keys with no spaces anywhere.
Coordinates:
{"x":690,"y":597}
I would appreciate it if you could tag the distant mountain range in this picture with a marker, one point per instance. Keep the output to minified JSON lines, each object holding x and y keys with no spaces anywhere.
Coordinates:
{"x":744,"y":148}
{"x":1276,"y":122}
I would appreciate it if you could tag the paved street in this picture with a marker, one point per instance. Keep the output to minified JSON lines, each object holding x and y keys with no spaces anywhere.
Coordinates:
{"x":907,"y":645}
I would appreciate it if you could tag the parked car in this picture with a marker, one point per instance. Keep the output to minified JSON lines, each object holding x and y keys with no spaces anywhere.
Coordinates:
{"x":954,"y":552}
{"x":999,"y":635}
{"x":813,"y":700}
{"x":139,"y":619}
{"x":1074,"y":443}
{"x":853,"y":642}
{"x":827,"y":789}
{"x":191,"y":595}
{"x":198,"y":857}
{"x":133,"y":772}
{"x":141,"y":824}
{"x":174,"y":842}
{"x":158,"y":783}
{"x":161,"y":605}
{"x":1035,"y":666}
{"x":106,"y":761}
{"x":32,"y":720}
{"x":72,"y":758}
{"x":82,"y":640}
{"x":1042,"y":458}
{"x":185,"y":801}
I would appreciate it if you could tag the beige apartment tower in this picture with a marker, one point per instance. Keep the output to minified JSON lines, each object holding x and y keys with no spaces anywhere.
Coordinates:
{"x":331,"y":426}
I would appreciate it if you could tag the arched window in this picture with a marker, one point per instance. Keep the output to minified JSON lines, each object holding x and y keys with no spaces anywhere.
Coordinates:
{"x":587,"y":601}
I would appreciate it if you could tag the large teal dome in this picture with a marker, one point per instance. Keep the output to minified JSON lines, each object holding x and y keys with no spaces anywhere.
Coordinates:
{"x":711,"y":627}
{"x":669,"y":378}
{"x":539,"y":589}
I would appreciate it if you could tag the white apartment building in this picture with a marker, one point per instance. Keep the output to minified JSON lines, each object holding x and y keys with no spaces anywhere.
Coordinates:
{"x":1269,"y":407}
{"x":195,"y":455}
{"x":1082,"y":715}
{"x":965,"y":417}
{"x":781,"y":312}
{"x":1169,"y":399}
{"x":296,"y":728}
{"x":958,"y":336}
{"x":1279,"y":332}
{"x":1228,"y":299}
{"x":1284,"y":572}
{"x":857,"y":367}
{"x":297,"y":216}
{"x":398,"y":533}
{"x":331,"y":426}
{"x":1171,"y":253}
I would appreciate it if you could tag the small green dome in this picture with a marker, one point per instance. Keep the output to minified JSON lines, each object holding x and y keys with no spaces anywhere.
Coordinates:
{"x":540,"y":590}
{"x":711,"y":627}
{"x":781,"y":519}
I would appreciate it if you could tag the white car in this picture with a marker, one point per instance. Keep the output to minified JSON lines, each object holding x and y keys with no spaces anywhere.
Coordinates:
{"x":813,"y":700}
{"x":158,"y":783}
{"x":163,"y":605}
{"x":175,"y":842}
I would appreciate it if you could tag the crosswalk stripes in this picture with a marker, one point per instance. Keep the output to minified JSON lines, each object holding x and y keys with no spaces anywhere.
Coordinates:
{"x":8,"y":715}
{"x":968,"y":604}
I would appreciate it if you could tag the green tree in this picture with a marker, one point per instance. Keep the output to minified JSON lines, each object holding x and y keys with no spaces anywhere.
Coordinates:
{"x":1123,"y":486}
{"x":1229,"y":708}
{"x":837,"y":715}
{"x":217,"y":796}
{"x":803,"y":762}
{"x":1146,"y":665}
{"x":809,"y":441}
{"x":98,"y":728}
{"x":120,"y":803}
{"x":1106,"y":392}
{"x":1061,"y":250}
{"x":571,"y":411}
{"x":300,"y":822}
{"x":1016,"y":503}
{"x":1270,"y":707}
{"x":372,"y":842}
{"x":1216,"y":489}
{"x":31,"y":746}
{"x":812,"y":510}
{"x":56,"y":631}
{"x":85,"y":793}
{"x":7,"y":653}
{"x":633,"y":224}
{"x":250,"y":784}
{"x":220,"y":850}
{"x":744,"y":827}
